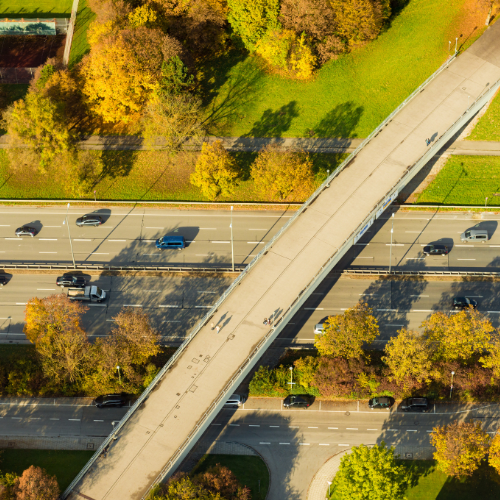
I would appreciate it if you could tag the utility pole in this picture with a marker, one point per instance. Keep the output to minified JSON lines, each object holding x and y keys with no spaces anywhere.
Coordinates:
{"x":69,"y":235}
{"x":232,"y":243}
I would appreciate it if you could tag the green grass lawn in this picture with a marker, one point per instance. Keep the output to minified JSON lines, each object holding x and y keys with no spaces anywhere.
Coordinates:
{"x":349,"y":97}
{"x":488,"y":126}
{"x":465,"y":180}
{"x":35,"y":8}
{"x":80,"y":46}
{"x":65,"y":465}
{"x":427,"y":483}
{"x":139,"y":175}
{"x":249,"y":471}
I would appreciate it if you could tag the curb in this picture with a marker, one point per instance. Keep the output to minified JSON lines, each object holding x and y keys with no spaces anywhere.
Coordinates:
{"x":266,"y":464}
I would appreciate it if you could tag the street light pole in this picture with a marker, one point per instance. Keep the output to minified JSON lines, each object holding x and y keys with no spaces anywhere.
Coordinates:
{"x":456,"y":44}
{"x":232,"y":244}
{"x":119,"y":376}
{"x":291,"y":383}
{"x":69,"y":235}
{"x":329,"y":485}
{"x":485,"y":202}
{"x":390,"y":250}
{"x":451,"y":387}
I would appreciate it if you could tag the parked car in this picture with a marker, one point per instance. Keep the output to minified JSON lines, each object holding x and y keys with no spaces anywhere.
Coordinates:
{"x":298,"y":401}
{"x":3,"y":280}
{"x":89,"y":220}
{"x":110,"y":400}
{"x":463,"y":303}
{"x":234,"y":401}
{"x":385,"y":402}
{"x":72,"y":281}
{"x":436,"y":250}
{"x":474,"y":235}
{"x":171,"y":242}
{"x":415,"y":404}
{"x":25,"y":231}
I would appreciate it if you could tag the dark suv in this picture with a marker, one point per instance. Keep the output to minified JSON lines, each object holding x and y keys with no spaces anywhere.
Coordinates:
{"x":89,"y":220}
{"x":25,"y":231}
{"x":385,"y":402}
{"x":463,"y":303}
{"x":415,"y":404}
{"x":110,"y":400}
{"x":72,"y":281}
{"x":298,"y":401}
{"x":436,"y":250}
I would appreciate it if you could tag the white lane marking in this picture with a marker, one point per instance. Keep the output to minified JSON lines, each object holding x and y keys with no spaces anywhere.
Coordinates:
{"x":313,"y":309}
{"x":395,"y":430}
{"x":168,"y":306}
{"x":392,"y":324}
{"x":132,"y":305}
{"x":74,"y":419}
{"x":333,"y":427}
{"x":253,"y":425}
{"x":421,"y":310}
{"x":415,"y":258}
{"x":21,"y":303}
{"x":366,"y":294}
{"x":202,"y":291}
{"x":264,"y":442}
{"x":395,"y":244}
{"x":343,"y":444}
{"x":98,"y":420}
{"x":220,"y":242}
{"x":78,"y":239}
{"x":312,"y":427}
{"x":304,"y":444}
{"x":50,"y":239}
{"x":54,"y":419}
{"x":166,"y":321}
{"x":494,"y":246}
{"x":116,"y":241}
{"x":466,"y":259}
{"x":429,"y":431}
{"x":202,"y":307}
{"x":255,"y":242}
{"x":234,"y":425}
{"x":493,"y":312}
{"x":284,"y":443}
{"x":475,"y":296}
{"x":15,"y":239}
{"x":324,"y":444}
{"x":274,"y":426}
{"x":418,"y":295}
{"x":361,"y":244}
{"x":352,"y":428}
{"x":372,"y":429}
{"x":47,"y":252}
{"x":15,"y":418}
{"x":46,"y":289}
{"x":7,"y":225}
{"x":156,"y":253}
{"x":411,"y":430}
{"x":386,"y":310}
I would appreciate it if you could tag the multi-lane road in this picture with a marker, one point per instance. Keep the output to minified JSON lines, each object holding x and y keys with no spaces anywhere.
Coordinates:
{"x":128,"y":235}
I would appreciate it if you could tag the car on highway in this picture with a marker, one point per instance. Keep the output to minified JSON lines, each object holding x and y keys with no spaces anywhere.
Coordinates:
{"x":110,"y":401}
{"x":25,"y":231}
{"x":319,"y":328}
{"x":463,"y":303}
{"x":89,"y":220}
{"x":474,"y":235}
{"x":383,"y":403}
{"x":298,"y":401}
{"x":3,"y":280}
{"x":436,"y":250}
{"x":415,"y":405}
{"x":171,"y":242}
{"x":234,"y":401}
{"x":71,"y":280}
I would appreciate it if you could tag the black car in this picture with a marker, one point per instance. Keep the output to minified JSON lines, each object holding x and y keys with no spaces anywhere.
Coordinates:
{"x":110,"y":400}
{"x":463,"y":303}
{"x":25,"y":231}
{"x":298,"y":401}
{"x":436,"y":250}
{"x":385,"y":402}
{"x":72,"y":281}
{"x":415,"y":404}
{"x":89,"y":220}
{"x":3,"y":280}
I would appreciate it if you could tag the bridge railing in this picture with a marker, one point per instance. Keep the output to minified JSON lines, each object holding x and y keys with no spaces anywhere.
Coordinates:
{"x":273,"y":332}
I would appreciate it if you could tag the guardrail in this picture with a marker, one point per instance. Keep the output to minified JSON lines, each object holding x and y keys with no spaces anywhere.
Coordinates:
{"x":487,"y":274}
{"x":104,"y":267}
{"x":279,"y":322}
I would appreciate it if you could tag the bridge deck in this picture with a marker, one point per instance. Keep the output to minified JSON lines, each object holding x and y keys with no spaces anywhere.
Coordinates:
{"x":160,"y":426}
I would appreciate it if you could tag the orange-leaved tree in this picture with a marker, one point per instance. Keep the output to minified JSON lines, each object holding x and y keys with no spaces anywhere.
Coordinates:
{"x":36,"y":484}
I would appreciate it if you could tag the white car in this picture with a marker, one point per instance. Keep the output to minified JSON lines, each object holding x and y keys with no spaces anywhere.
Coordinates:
{"x":319,"y":328}
{"x":234,"y":401}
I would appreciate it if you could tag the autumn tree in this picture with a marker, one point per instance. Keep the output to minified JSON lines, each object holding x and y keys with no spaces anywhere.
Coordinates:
{"x":7,"y":486}
{"x":345,"y":334}
{"x":460,"y":447}
{"x":215,"y":173}
{"x":409,"y":358}
{"x":492,"y":358}
{"x":494,"y":453}
{"x":251,"y":20}
{"x":36,"y":484}
{"x":38,"y":122}
{"x":173,"y":118}
{"x":457,"y":337}
{"x":220,"y":480}
{"x":282,"y":176}
{"x":370,"y":472}
{"x":53,"y":324}
{"x":339,"y":377}
{"x":305,"y":369}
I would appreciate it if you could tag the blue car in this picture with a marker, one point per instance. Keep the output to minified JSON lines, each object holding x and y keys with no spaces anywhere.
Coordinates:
{"x":171,"y":242}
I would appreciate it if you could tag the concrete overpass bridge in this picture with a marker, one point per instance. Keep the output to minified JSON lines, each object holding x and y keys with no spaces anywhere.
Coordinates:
{"x":155,"y":436}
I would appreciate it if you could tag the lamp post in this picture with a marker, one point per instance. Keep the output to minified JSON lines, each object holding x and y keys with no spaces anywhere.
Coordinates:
{"x":451,"y":387}
{"x":65,"y":221}
{"x":485,"y":202}
{"x":232,"y":244}
{"x":328,"y":175}
{"x":456,"y":44}
{"x":95,"y":197}
{"x":449,"y":46}
{"x":329,"y":485}
{"x":119,"y":376}
{"x":291,"y":383}
{"x":390,"y":250}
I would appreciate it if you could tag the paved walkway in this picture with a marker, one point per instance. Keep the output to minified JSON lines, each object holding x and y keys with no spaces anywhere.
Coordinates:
{"x":318,"y":490}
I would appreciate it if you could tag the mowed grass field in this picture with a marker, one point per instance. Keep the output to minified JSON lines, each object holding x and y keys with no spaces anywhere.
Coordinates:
{"x":349,"y":97}
{"x":35,"y":8}
{"x":140,"y":175}
{"x":427,"y":483}
{"x":488,"y":126}
{"x":465,"y":180}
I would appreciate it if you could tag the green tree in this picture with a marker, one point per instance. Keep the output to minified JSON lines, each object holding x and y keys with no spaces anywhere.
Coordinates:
{"x":215,"y":173}
{"x":345,"y":334}
{"x":458,"y":336}
{"x":251,"y":20}
{"x":305,"y":369}
{"x":175,"y":77}
{"x":409,"y":357}
{"x":283,"y":176}
{"x":53,"y":324}
{"x":7,"y":485}
{"x":370,"y":473}
{"x":39,"y":123}
{"x":460,"y":447}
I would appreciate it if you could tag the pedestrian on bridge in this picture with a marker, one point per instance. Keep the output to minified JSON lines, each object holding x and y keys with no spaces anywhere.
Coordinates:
{"x":217,"y":328}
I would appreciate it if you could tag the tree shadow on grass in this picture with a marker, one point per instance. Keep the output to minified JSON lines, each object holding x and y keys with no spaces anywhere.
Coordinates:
{"x":116,"y":164}
{"x":340,"y":122}
{"x":275,"y":123}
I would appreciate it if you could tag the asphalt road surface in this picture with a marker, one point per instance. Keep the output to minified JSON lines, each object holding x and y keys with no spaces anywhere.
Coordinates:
{"x":414,"y":230}
{"x":128,"y":235}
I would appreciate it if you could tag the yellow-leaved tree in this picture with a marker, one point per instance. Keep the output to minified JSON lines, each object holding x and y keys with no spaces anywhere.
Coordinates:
{"x":215,"y":172}
{"x":494,"y":453}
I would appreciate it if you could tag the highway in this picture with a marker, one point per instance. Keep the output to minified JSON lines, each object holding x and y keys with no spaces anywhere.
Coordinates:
{"x":415,"y":229}
{"x":128,"y":235}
